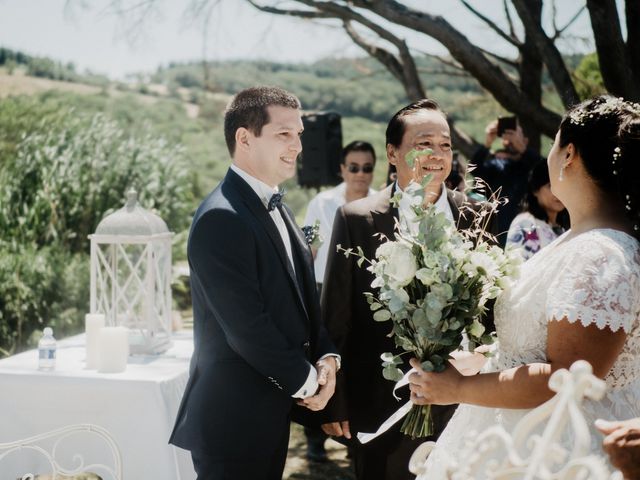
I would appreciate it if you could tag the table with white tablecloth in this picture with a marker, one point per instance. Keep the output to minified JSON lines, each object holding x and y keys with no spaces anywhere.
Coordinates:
{"x":137,"y":407}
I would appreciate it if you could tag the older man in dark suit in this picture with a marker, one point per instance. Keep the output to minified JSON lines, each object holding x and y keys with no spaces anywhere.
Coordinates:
{"x":364,"y":399}
{"x":259,"y":342}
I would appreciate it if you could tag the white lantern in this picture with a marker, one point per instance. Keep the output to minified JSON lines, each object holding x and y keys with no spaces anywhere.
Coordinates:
{"x":131,"y":275}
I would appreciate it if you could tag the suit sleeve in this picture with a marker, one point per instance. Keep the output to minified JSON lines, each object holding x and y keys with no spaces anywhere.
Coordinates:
{"x":222,"y":255}
{"x":337,"y":309}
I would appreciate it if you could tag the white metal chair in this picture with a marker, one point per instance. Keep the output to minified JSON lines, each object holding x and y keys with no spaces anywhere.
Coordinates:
{"x":498,"y":455}
{"x":46,"y":446}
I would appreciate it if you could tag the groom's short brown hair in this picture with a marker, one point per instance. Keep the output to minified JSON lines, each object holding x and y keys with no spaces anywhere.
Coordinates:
{"x":248,"y":109}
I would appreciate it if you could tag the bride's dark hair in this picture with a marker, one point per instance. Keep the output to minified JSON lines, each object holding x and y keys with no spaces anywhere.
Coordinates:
{"x":605,"y":131}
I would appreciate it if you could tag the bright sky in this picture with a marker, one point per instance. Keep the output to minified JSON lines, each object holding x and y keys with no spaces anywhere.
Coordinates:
{"x":95,"y":38}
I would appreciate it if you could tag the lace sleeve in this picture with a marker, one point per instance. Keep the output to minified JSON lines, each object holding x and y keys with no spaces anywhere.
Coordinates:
{"x":598,"y":284}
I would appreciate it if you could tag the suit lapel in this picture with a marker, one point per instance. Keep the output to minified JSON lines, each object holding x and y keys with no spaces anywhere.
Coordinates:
{"x":257,"y":208}
{"x":384,"y":215}
{"x":300,"y":250}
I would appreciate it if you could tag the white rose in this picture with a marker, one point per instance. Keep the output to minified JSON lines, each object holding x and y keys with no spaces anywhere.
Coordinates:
{"x":400,"y":265}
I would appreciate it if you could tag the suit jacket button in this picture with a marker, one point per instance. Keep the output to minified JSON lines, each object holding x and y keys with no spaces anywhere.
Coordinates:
{"x":306,"y":344}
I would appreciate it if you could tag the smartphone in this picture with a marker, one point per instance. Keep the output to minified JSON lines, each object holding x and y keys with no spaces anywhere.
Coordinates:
{"x":506,"y":123}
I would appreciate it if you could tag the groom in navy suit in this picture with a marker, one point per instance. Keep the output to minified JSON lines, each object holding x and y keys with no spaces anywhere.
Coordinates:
{"x":260,"y":347}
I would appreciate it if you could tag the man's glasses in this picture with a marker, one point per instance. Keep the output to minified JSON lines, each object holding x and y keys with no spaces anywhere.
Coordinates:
{"x":355,"y":168}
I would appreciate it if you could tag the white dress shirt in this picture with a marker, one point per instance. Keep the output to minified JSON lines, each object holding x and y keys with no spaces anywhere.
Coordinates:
{"x":323,"y":208}
{"x":265,"y":192}
{"x":408,"y":216}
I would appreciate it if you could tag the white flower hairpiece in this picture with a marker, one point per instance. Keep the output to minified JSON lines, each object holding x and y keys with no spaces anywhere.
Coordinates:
{"x":607,"y":106}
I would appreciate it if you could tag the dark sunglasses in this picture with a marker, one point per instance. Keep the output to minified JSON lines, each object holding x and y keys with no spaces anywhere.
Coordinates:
{"x":355,"y":168}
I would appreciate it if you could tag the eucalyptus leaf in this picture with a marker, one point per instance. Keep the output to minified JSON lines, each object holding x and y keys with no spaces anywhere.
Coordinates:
{"x":419,"y":318}
{"x":382,"y":315}
{"x":413,"y":155}
{"x":392,"y":373}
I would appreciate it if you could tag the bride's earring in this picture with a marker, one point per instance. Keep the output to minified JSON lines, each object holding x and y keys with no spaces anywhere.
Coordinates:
{"x":561,"y":176}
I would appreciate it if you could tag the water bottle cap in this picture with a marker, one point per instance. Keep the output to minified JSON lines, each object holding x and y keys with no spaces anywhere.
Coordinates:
{"x":47,"y":331}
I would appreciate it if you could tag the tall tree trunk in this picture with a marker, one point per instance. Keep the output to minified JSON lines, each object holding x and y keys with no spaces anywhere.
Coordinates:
{"x":615,"y":63}
{"x":530,"y":12}
{"x":531,"y":73}
{"x":632,"y":12}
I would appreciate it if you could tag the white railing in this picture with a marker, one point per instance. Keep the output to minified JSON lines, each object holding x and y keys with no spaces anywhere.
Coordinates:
{"x":525,"y":454}
{"x":38,"y":445}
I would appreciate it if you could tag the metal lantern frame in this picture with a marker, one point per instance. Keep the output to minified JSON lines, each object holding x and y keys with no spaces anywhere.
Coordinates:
{"x":131,"y":276}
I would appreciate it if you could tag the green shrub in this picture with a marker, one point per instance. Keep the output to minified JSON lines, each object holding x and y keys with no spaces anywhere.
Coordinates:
{"x":61,"y":181}
{"x":40,"y":287}
{"x":60,"y":173}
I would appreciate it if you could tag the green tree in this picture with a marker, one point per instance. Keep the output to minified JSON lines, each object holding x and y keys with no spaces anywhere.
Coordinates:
{"x":588,"y":77}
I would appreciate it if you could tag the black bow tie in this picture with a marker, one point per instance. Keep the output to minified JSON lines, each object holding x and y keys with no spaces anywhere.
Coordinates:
{"x":275,"y":200}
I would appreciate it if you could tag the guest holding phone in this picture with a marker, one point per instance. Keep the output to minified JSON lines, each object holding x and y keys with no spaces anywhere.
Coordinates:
{"x":506,"y":168}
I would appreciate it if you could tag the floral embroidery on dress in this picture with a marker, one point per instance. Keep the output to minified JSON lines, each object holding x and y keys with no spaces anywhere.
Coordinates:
{"x":593,"y":278}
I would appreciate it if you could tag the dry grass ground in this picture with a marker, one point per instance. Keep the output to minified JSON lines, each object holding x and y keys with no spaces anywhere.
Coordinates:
{"x":20,"y":84}
{"x":17,"y":83}
{"x":299,"y":468}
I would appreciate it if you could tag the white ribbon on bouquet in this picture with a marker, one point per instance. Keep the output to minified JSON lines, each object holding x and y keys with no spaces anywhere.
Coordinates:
{"x":395,"y":417}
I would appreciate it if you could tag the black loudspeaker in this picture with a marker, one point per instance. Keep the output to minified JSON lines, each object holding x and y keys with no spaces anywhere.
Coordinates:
{"x":319,"y":162}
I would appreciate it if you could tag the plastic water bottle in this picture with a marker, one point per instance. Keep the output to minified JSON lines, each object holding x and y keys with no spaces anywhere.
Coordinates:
{"x":47,"y":351}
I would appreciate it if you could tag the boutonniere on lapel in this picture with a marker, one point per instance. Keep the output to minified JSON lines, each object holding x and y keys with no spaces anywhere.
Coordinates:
{"x":312,"y":235}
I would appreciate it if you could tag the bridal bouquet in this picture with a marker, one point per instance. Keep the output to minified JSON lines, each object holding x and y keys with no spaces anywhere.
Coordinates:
{"x":433,"y":286}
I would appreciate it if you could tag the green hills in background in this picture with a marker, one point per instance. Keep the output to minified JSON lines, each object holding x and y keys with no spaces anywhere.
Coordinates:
{"x":184,"y":101}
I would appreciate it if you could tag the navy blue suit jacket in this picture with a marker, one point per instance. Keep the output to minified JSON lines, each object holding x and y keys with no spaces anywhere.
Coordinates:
{"x":257,"y":325}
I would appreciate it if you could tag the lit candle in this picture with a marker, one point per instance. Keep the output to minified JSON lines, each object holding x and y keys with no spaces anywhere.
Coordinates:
{"x":113,"y":349}
{"x":93,"y":322}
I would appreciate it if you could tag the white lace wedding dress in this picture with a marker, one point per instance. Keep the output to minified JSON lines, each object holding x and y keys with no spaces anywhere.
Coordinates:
{"x":593,"y":278}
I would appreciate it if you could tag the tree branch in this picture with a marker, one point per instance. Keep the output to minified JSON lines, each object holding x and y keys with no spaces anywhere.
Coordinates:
{"x":442,"y":60}
{"x":549,"y":53}
{"x":559,"y":32}
{"x":402,"y":67}
{"x":383,"y":56}
{"x":500,"y":58}
{"x":490,"y":76}
{"x":308,"y":14}
{"x":511,"y":39}
{"x":507,"y":14}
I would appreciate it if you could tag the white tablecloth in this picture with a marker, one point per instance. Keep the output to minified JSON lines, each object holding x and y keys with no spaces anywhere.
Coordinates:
{"x":138,"y":407}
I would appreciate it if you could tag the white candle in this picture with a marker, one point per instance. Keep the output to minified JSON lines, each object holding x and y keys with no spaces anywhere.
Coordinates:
{"x":113,"y":349}
{"x":93,"y":322}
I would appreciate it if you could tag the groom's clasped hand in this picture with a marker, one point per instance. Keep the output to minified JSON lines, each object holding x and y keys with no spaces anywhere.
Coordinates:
{"x":326,"y":369}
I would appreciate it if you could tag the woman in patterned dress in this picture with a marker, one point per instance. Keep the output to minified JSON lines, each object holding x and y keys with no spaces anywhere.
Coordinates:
{"x":543,"y":216}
